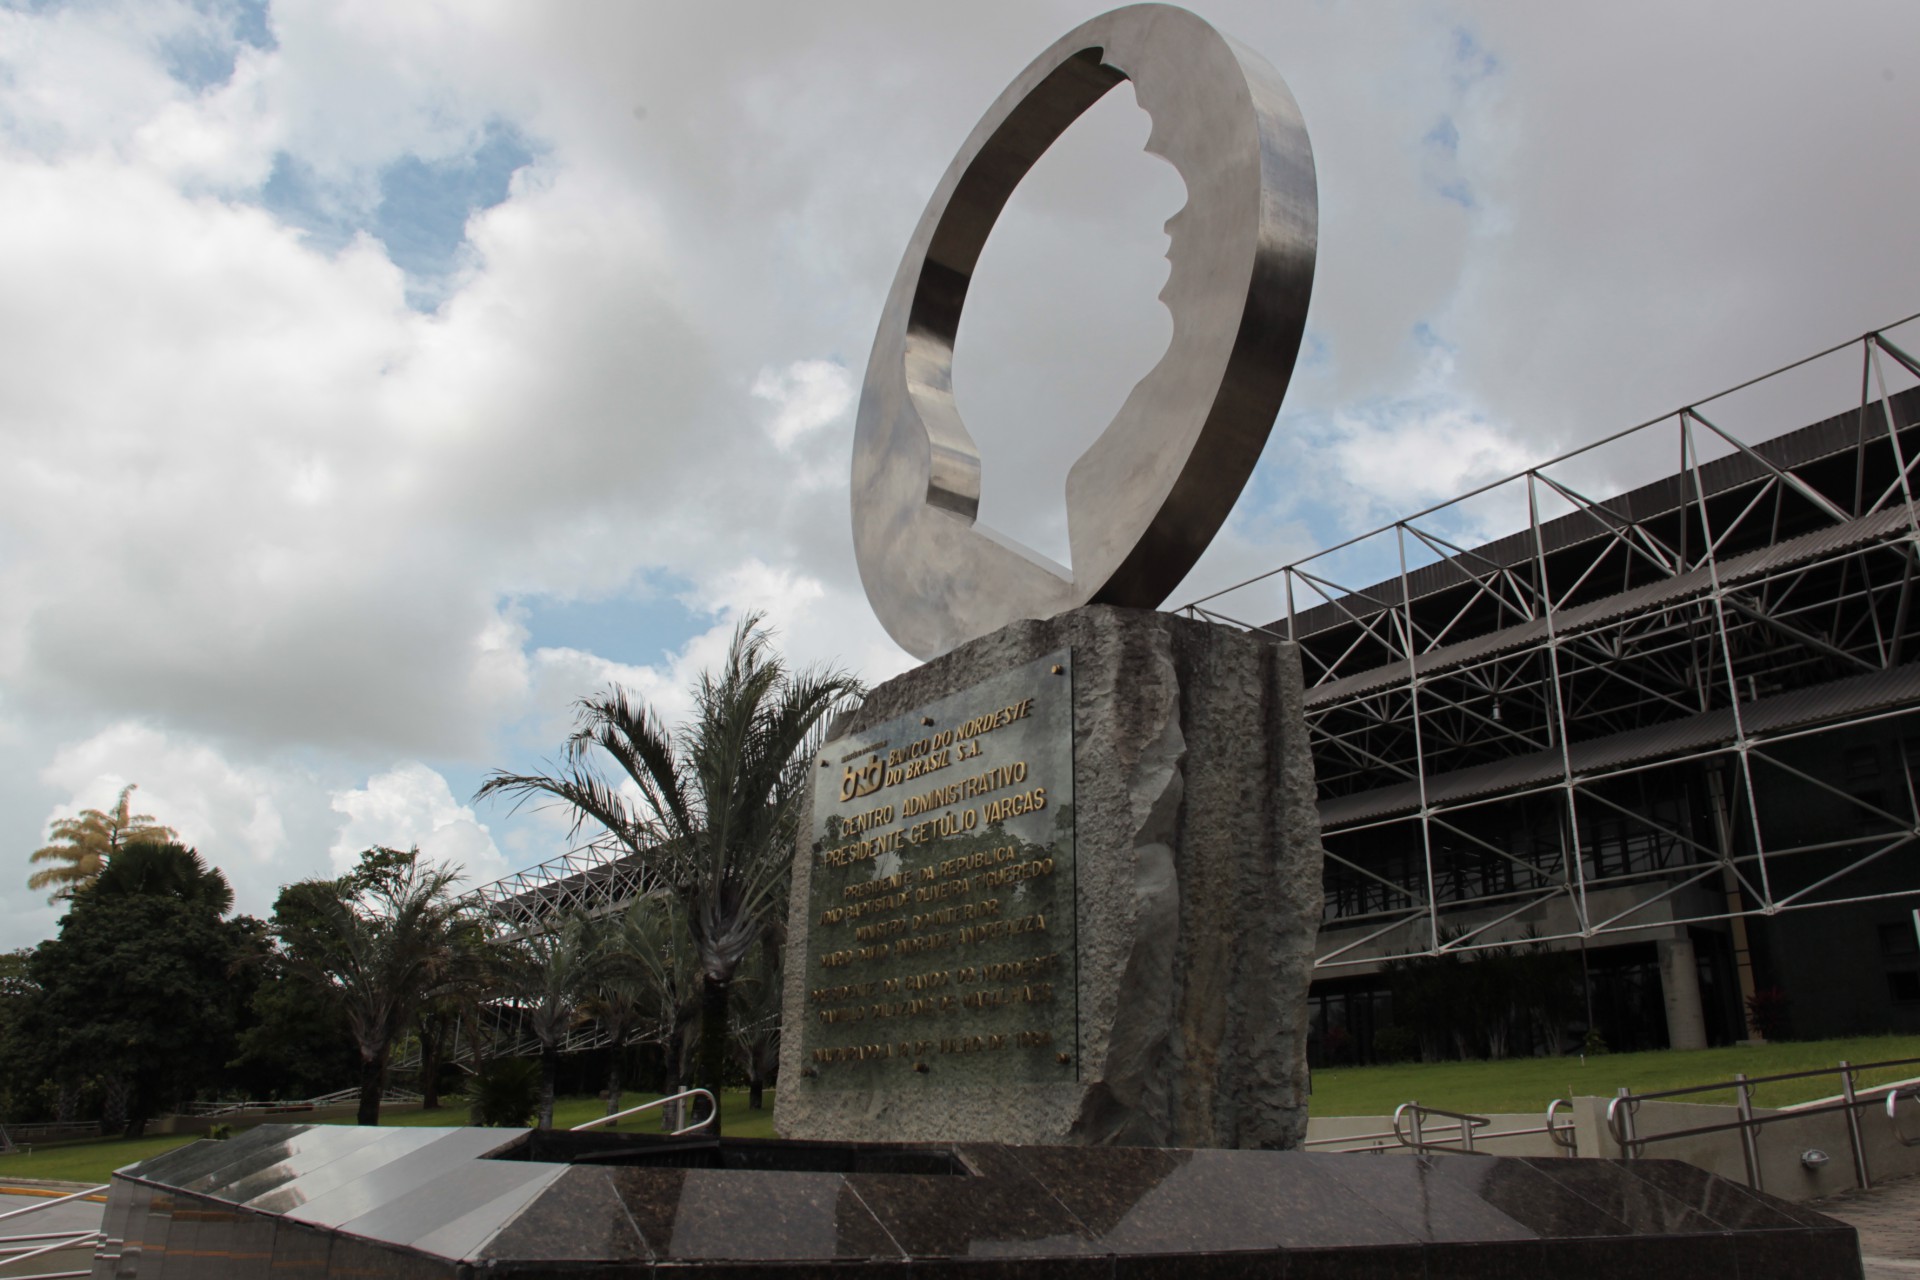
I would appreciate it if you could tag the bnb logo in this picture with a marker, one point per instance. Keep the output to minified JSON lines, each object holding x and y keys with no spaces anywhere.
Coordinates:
{"x":859,"y":781}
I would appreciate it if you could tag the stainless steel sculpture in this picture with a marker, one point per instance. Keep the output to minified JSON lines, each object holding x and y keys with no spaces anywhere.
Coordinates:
{"x":1147,"y":497}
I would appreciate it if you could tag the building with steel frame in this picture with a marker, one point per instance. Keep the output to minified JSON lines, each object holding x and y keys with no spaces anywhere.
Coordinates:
{"x":1672,"y":721}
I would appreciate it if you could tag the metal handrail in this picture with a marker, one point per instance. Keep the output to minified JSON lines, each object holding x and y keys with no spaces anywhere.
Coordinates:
{"x":1893,"y":1113}
{"x":1621,"y":1111}
{"x":713,"y":1109}
{"x":7,"y":1243}
{"x":1842,"y":1069}
{"x":60,"y":1246}
{"x":1376,"y":1138}
{"x":1563,"y":1136}
{"x":1417,"y":1115}
{"x":340,"y":1097}
{"x":48,"y":1204}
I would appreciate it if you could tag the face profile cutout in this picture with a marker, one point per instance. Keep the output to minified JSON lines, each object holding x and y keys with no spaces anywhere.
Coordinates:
{"x":1147,"y":497}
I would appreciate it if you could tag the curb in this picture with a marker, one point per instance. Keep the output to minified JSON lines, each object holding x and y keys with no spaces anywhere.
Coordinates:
{"x":48,"y":1189}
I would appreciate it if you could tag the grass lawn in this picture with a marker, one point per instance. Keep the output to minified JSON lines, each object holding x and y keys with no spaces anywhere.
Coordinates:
{"x":92,"y":1161}
{"x":95,"y":1161}
{"x":1528,"y":1084}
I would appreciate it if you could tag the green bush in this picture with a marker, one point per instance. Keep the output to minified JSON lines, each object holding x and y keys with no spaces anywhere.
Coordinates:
{"x":1396,"y":1044}
{"x":506,"y":1094}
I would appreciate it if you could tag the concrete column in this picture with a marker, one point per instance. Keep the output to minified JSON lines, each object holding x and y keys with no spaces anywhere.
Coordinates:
{"x":1680,"y":984}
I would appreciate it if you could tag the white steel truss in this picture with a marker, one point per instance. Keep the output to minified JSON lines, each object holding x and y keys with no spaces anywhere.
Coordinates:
{"x":1602,"y":701}
{"x":592,"y":879}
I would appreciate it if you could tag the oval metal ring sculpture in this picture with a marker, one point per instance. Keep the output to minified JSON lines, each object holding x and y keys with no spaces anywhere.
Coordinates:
{"x":1147,"y":497}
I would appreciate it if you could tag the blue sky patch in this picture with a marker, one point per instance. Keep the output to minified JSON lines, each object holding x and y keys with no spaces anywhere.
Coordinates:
{"x":1472,"y":61}
{"x":424,"y":205}
{"x":294,"y":194}
{"x":638,"y":629}
{"x":201,"y":60}
{"x":1443,"y":144}
{"x":421,"y":217}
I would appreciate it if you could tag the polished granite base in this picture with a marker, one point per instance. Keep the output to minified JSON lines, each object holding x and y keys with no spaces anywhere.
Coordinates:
{"x":286,"y":1201}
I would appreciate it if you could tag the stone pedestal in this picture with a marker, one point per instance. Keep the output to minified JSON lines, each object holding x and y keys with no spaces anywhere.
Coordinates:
{"x":1195,"y":898}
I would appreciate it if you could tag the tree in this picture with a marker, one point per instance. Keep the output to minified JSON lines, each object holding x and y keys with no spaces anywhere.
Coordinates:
{"x":472,"y":973}
{"x":83,"y":845}
{"x":654,"y":970}
{"x":22,"y":1089}
{"x":719,"y":801}
{"x":299,"y":1044}
{"x":551,"y":972}
{"x":756,"y":1025}
{"x":146,"y":982}
{"x":378,"y":941}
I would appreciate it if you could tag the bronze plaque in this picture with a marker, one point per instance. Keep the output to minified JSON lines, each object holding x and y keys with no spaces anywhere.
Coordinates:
{"x":941,"y":905}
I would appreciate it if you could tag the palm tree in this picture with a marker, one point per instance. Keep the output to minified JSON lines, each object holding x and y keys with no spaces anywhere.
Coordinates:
{"x":757,"y":1009}
{"x":653,"y":989}
{"x":84,"y":844}
{"x":380,"y":945}
{"x":719,"y":801}
{"x":467,"y":981}
{"x":550,"y":974}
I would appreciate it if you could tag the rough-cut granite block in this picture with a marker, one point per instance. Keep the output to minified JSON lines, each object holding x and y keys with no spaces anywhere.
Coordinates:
{"x":1198,"y":885}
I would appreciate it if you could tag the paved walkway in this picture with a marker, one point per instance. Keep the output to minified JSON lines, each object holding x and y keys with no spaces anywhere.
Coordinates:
{"x":1888,"y":1220}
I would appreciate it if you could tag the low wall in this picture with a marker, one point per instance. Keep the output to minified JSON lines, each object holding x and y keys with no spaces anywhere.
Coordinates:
{"x":1780,"y":1142}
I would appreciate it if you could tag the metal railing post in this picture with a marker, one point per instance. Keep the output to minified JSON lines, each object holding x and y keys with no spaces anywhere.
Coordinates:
{"x":1623,"y":1132}
{"x":1749,"y":1145}
{"x":1569,"y":1144}
{"x":1413,"y":1112}
{"x":1859,"y":1149}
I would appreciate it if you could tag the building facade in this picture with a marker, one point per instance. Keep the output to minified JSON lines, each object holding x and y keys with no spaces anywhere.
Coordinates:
{"x":1645,"y":765}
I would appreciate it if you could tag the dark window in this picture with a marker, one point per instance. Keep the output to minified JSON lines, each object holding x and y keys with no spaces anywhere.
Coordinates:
{"x":1863,"y":763}
{"x":1866,"y":821}
{"x":1904,"y":987}
{"x":1899,"y":939}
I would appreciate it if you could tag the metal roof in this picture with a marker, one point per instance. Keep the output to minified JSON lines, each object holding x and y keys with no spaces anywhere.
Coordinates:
{"x":1780,"y":713}
{"x":1838,"y":434}
{"x":1806,"y":548}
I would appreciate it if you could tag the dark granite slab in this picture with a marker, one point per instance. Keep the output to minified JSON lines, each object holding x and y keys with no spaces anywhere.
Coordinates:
{"x":296,"y":1203}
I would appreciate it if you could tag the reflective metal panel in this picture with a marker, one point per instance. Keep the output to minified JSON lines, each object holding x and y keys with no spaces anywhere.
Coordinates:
{"x":1146,"y":498}
{"x":450,"y":1150}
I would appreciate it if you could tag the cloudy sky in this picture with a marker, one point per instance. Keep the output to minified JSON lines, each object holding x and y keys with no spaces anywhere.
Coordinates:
{"x":377,"y":377}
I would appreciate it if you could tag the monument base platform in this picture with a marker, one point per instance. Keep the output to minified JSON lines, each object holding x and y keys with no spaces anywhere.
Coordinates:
{"x":281,"y":1201}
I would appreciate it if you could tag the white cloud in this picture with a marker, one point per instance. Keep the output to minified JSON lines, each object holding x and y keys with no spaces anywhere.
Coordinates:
{"x":411,"y":805}
{"x":261,"y":520}
{"x":250,"y":819}
{"x":187,"y":785}
{"x":805,"y":396}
